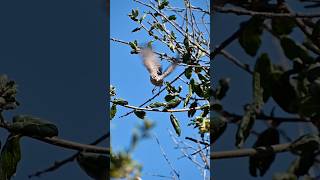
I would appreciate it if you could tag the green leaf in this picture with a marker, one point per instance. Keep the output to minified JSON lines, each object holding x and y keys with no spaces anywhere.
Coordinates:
{"x":245,"y":126}
{"x":206,"y":109}
{"x":216,"y":106}
{"x":134,"y":14}
{"x":169,"y":97}
{"x":172,"y":17}
{"x":305,"y":143}
{"x":264,"y":158}
{"x":156,"y":105}
{"x":113,"y":111}
{"x":310,"y":106}
{"x":95,"y":165}
{"x":192,"y":111}
{"x":140,"y":114}
{"x":119,"y":101}
{"x":263,"y":66}
{"x":257,"y":91}
{"x":222,"y":88}
{"x":188,"y":72}
{"x":301,"y":165}
{"x":10,"y":157}
{"x":173,"y":103}
{"x":186,"y":101}
{"x":218,"y":125}
{"x":135,"y":30}
{"x":163,"y":4}
{"x":284,"y":93}
{"x":282,"y":25}
{"x":175,"y":124}
{"x":249,"y":37}
{"x":292,"y":50}
{"x":33,"y":126}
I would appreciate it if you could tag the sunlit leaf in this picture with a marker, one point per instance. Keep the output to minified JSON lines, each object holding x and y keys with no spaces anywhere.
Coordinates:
{"x":175,"y":124}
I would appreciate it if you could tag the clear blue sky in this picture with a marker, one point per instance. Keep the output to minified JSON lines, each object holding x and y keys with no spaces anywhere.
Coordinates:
{"x":131,"y":79}
{"x":55,"y":51}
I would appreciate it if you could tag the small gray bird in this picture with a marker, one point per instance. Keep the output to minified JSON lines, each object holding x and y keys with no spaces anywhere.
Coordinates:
{"x":151,"y":62}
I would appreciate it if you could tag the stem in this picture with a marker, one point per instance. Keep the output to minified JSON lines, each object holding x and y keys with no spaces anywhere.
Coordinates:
{"x":247,"y":152}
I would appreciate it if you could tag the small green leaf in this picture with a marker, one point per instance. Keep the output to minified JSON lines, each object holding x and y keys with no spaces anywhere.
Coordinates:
{"x":33,"y":126}
{"x":163,"y":4}
{"x":222,"y":88}
{"x":257,"y":91}
{"x":113,"y":111}
{"x":10,"y":157}
{"x":136,"y":29}
{"x":96,"y":166}
{"x":218,"y":125}
{"x":249,"y":37}
{"x":119,"y":101}
{"x":173,"y":103}
{"x":262,"y":161}
{"x":293,"y":50}
{"x":192,"y":111}
{"x":302,"y":164}
{"x":175,"y":124}
{"x":186,"y":101}
{"x":156,"y":105}
{"x":283,"y":92}
{"x":245,"y":126}
{"x":282,"y":25}
{"x":172,"y":17}
{"x":305,"y":143}
{"x":263,"y":66}
{"x":140,"y":114}
{"x":169,"y":97}
{"x":188,"y":72}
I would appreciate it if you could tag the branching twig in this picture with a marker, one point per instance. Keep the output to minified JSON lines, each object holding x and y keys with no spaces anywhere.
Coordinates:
{"x":239,"y":11}
{"x":57,"y":164}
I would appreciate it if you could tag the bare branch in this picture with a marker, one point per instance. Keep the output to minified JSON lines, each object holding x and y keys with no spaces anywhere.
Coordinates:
{"x":247,"y":152}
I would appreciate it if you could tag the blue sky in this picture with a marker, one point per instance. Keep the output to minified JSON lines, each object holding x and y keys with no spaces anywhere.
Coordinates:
{"x":131,"y":79}
{"x":55,"y":51}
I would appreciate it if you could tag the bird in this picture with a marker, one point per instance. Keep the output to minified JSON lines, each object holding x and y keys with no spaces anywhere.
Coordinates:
{"x":153,"y":66}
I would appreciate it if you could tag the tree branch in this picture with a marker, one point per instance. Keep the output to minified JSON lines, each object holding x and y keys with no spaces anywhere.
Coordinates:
{"x":239,"y":11}
{"x":247,"y":152}
{"x":65,"y":143}
{"x":57,"y":164}
{"x":159,"y":110}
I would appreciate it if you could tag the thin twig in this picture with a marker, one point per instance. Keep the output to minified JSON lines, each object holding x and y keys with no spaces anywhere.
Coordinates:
{"x":57,"y":164}
{"x":239,"y":11}
{"x":166,"y":158}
